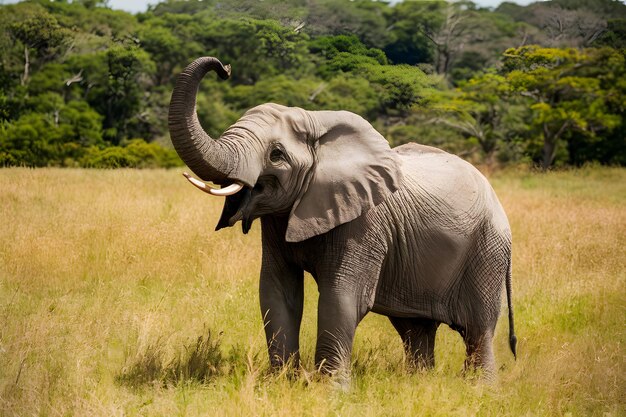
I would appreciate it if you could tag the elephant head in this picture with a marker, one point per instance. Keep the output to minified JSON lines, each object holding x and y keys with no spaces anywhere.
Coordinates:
{"x":319,"y":168}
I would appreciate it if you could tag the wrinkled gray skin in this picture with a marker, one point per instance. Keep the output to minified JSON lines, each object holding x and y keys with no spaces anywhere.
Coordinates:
{"x":413,"y":233}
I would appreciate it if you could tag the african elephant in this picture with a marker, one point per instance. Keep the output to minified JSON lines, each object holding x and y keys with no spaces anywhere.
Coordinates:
{"x":412,"y":233}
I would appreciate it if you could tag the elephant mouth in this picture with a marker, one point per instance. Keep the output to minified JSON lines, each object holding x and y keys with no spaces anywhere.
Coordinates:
{"x":250,"y":203}
{"x":235,"y":204}
{"x":235,"y":209}
{"x":241,"y":202}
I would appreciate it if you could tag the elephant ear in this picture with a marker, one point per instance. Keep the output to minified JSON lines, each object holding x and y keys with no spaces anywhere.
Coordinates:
{"x":355,"y":170}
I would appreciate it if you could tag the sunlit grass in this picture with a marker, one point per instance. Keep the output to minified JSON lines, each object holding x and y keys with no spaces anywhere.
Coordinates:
{"x":117,"y":298}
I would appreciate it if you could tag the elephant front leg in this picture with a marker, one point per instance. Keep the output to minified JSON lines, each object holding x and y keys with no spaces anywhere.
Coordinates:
{"x":338,"y":316}
{"x":281,"y":293}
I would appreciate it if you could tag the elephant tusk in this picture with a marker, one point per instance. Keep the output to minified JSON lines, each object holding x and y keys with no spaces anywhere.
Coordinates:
{"x":221,"y":192}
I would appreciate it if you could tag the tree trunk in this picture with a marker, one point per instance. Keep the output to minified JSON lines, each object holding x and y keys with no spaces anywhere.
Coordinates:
{"x":549,"y":150}
{"x":26,"y":66}
{"x":443,"y":59}
{"x":550,"y":143}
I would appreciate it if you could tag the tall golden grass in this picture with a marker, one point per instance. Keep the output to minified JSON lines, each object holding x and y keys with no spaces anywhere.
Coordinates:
{"x":117,"y":298}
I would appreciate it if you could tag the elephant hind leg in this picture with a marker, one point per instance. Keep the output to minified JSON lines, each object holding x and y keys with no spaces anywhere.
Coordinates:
{"x":479,"y":349}
{"x":418,"y":337}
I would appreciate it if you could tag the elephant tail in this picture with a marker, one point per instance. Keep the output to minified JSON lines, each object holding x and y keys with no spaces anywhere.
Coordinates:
{"x":512,"y":337}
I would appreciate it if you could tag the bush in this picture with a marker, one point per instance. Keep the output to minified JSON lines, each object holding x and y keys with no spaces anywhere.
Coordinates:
{"x":112,"y":157}
{"x":135,"y":154}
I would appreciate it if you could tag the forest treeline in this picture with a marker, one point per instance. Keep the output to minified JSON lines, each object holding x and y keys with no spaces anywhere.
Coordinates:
{"x":84,"y":85}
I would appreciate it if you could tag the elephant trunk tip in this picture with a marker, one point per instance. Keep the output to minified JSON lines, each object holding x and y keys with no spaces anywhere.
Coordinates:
{"x":228,"y":71}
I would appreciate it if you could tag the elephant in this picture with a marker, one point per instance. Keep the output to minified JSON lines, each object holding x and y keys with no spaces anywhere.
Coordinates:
{"x":412,"y":232}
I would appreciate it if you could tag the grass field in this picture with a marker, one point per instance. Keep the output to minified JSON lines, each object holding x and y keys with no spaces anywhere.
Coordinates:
{"x":117,"y":298}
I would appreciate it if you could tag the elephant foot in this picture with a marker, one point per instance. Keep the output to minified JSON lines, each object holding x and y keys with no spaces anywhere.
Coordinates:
{"x":341,"y":380}
{"x":279,"y":362}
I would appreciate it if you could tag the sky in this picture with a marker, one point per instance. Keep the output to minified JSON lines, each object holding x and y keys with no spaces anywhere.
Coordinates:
{"x":135,"y":6}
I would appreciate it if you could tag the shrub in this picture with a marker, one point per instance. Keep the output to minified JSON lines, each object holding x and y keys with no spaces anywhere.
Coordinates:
{"x":112,"y":157}
{"x":135,"y":154}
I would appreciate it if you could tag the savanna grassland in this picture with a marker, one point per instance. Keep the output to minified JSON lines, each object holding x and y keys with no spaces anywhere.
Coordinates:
{"x":117,"y":298}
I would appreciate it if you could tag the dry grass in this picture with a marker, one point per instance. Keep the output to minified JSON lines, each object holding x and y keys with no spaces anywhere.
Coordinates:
{"x":117,"y":298}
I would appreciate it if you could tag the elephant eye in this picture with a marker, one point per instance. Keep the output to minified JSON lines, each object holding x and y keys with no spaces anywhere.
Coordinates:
{"x":276,"y":155}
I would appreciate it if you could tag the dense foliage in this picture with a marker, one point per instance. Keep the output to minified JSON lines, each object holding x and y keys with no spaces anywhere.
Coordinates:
{"x":84,"y":85}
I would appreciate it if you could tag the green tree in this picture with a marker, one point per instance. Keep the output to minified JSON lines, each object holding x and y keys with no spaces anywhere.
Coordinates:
{"x":399,"y":86}
{"x":68,"y":95}
{"x":182,"y":7}
{"x":52,"y":77}
{"x":280,"y":89}
{"x":440,"y":30}
{"x":83,"y":124}
{"x":348,"y":92}
{"x":31,"y":140}
{"x":135,"y":153}
{"x":477,"y":110}
{"x":614,"y":36}
{"x":409,"y":44}
{"x":40,"y":33}
{"x":55,"y":133}
{"x":116,"y":83}
{"x":92,"y":18}
{"x":124,"y":90}
{"x":164,"y":47}
{"x":343,"y":53}
{"x":364,"y":18}
{"x":49,"y":103}
{"x":566,"y":91}
{"x":254,"y":48}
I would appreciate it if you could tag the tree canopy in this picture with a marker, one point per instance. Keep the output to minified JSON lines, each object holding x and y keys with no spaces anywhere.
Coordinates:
{"x":84,"y":85}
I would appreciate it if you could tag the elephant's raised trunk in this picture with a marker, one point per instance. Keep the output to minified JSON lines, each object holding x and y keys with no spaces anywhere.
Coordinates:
{"x":195,"y":147}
